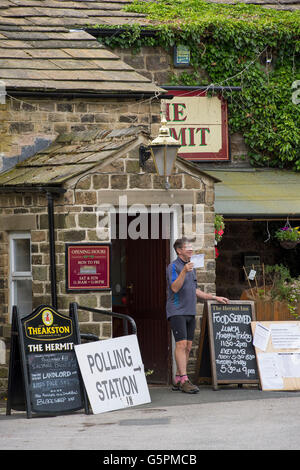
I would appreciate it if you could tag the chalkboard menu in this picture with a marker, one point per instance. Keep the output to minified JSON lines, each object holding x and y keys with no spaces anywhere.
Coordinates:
{"x":232,"y":356}
{"x":44,"y":363}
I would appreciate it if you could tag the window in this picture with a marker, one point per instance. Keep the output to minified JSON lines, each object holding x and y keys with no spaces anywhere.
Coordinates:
{"x":20,"y":272}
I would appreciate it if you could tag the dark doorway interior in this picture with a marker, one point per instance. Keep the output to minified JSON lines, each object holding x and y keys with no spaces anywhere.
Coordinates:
{"x":139,"y":290}
{"x":249,"y":239}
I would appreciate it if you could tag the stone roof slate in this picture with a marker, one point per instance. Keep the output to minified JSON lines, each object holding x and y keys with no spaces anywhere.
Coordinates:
{"x":71,"y":155}
{"x":84,"y":13}
{"x":75,"y":154}
{"x":62,"y":60}
{"x":68,"y":13}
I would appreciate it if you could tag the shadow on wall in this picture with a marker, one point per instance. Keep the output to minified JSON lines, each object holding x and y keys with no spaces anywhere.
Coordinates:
{"x":39,"y":143}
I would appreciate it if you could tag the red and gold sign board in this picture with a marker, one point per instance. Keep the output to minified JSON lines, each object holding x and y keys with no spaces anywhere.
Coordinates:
{"x":88,"y":266}
{"x":200,"y":124}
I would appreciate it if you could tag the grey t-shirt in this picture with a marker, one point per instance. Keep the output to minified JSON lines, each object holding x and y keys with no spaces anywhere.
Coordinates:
{"x":184,"y":301}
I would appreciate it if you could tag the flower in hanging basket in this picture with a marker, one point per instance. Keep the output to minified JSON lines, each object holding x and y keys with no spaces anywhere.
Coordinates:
{"x":219,"y":227}
{"x":219,"y":231}
{"x":288,"y":236}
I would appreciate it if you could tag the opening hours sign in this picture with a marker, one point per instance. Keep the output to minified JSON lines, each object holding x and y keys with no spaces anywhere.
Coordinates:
{"x":88,"y":266}
{"x":200,"y":124}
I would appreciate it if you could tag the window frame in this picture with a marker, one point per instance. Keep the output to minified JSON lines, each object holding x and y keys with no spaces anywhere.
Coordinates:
{"x":15,"y":276}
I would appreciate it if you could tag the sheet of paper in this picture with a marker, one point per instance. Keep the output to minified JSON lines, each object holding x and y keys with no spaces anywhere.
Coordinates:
{"x":289,"y":364}
{"x":261,"y":336}
{"x":270,"y":371}
{"x":285,"y":336}
{"x":198,"y":261}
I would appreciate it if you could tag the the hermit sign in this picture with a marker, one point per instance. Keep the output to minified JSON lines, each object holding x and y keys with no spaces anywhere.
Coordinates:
{"x":88,"y":266}
{"x":200,"y":124}
{"x":113,"y":373}
{"x":44,"y":376}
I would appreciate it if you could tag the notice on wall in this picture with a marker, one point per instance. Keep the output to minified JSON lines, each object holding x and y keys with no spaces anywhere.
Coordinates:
{"x":269,"y":366}
{"x":285,"y":335}
{"x":261,"y":336}
{"x":278,"y":354}
{"x":88,"y":266}
{"x":113,"y":373}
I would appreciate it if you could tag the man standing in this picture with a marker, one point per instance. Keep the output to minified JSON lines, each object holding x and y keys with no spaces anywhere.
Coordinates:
{"x":182,"y":293}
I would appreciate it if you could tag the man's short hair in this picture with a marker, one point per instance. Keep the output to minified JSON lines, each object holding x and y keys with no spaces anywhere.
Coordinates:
{"x":180,"y":242}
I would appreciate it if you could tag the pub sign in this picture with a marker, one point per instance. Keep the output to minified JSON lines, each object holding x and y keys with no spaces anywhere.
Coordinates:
{"x":200,"y":124}
{"x":88,"y":266}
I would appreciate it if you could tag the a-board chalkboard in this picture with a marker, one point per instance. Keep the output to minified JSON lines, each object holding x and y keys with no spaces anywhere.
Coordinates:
{"x":231,"y":353}
{"x":44,"y":375}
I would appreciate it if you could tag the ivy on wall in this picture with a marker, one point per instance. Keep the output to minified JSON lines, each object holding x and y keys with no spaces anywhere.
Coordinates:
{"x":237,"y":45}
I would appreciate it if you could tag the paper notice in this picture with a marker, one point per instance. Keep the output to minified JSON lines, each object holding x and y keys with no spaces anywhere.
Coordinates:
{"x":198,"y":261}
{"x":261,"y":336}
{"x":289,"y":364}
{"x":285,"y":336}
{"x":270,"y":371}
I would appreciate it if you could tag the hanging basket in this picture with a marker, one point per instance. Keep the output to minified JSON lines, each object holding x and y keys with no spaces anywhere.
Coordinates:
{"x":288,"y":245}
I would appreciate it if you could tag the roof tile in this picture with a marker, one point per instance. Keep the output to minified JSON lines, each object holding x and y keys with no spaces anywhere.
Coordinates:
{"x":36,"y":58}
{"x":68,"y":156}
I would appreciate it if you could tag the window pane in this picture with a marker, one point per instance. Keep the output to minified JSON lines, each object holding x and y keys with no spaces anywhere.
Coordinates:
{"x":22,"y":255}
{"x":23,"y":296}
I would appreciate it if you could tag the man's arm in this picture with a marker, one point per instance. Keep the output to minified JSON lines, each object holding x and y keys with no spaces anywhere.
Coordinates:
{"x":204,"y":296}
{"x":178,"y":283}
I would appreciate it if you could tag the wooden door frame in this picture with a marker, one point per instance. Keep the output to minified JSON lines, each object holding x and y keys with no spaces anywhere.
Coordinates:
{"x":174,"y":234}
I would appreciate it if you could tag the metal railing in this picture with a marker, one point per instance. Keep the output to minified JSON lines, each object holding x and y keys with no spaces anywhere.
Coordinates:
{"x":126,"y":319}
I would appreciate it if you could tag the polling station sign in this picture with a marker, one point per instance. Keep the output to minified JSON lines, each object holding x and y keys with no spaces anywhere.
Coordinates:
{"x":113,"y":373}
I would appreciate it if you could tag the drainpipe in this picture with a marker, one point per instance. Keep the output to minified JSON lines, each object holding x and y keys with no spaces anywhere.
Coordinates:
{"x":52,"y":248}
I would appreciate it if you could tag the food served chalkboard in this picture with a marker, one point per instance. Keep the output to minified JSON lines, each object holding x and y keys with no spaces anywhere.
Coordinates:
{"x":231,"y":353}
{"x":44,"y":375}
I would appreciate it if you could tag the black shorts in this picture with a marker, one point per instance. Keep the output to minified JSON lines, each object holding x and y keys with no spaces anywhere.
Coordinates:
{"x":183,"y":327}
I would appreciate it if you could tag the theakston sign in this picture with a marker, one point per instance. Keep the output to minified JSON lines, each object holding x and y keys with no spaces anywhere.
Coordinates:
{"x":200,"y":124}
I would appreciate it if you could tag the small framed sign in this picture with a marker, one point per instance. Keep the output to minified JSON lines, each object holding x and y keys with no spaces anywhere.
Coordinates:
{"x":182,"y":55}
{"x":88,"y":266}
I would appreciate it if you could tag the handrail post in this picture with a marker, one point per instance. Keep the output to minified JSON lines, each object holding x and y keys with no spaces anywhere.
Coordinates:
{"x":122,"y":316}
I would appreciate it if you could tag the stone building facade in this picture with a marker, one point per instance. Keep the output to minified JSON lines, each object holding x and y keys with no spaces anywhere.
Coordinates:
{"x":27,"y":126}
{"x":157,"y":64}
{"x":108,"y":176}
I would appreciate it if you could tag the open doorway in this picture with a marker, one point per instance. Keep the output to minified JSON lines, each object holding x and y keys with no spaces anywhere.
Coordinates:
{"x":139,"y":290}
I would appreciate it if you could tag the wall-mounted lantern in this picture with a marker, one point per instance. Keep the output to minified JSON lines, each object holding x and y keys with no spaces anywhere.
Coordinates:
{"x":163,"y":150}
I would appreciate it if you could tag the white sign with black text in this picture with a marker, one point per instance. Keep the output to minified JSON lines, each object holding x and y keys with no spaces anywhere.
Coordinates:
{"x":113,"y":373}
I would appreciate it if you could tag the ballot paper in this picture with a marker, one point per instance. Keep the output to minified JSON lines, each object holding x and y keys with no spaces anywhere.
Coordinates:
{"x":285,"y":335}
{"x":261,"y":336}
{"x":270,"y":371}
{"x":198,"y":261}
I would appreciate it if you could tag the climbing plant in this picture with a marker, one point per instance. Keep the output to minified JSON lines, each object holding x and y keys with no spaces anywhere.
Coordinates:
{"x":237,"y":45}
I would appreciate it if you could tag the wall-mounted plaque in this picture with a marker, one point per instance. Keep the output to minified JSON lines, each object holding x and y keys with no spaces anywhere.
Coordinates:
{"x":88,"y":266}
